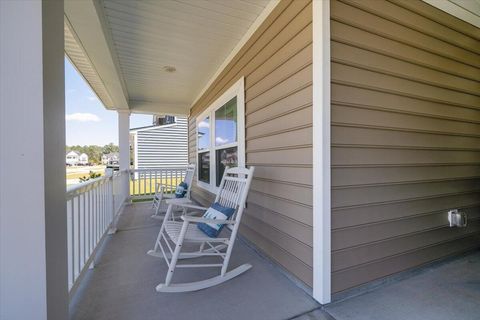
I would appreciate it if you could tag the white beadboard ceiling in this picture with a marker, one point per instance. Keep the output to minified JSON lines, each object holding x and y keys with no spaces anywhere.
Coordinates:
{"x":143,"y":37}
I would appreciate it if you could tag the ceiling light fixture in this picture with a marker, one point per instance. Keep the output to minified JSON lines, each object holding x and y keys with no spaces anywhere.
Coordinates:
{"x":169,"y":69}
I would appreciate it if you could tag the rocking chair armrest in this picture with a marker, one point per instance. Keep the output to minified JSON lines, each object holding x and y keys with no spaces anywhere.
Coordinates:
{"x":163,"y":187}
{"x":191,"y":206}
{"x":205,"y":220}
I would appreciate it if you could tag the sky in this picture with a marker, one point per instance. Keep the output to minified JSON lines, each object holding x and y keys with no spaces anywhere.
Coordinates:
{"x":87,"y":120}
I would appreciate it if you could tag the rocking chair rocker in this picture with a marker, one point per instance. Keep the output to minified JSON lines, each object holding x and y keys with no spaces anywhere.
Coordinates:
{"x":232,"y":194}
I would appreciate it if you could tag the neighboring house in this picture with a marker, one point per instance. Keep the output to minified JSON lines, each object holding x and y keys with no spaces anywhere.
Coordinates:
{"x":160,"y":146}
{"x":83,"y":159}
{"x":72,"y":158}
{"x":110,"y":157}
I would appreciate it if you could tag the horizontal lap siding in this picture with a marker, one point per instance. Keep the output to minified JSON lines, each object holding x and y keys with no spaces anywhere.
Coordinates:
{"x":163,"y":146}
{"x":405,"y":137}
{"x":277,"y":65}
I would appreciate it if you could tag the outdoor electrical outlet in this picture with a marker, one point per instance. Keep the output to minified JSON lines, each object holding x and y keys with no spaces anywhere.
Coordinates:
{"x":457,"y":218}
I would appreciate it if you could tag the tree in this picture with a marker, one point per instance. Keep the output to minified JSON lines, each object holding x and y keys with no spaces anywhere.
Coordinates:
{"x":109,"y":148}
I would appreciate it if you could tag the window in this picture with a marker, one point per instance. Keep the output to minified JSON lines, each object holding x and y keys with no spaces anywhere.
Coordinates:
{"x":221,"y":137}
{"x":203,"y":133}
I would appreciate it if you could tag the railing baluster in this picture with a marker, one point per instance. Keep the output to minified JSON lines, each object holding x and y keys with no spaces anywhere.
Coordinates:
{"x":150,"y":183}
{"x":84,"y":255}
{"x":78,"y":237}
{"x":103,"y":208}
{"x":69,"y":243}
{"x":144,"y":184}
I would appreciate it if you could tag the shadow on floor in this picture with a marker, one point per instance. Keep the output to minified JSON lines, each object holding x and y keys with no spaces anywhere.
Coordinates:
{"x":122,"y":284}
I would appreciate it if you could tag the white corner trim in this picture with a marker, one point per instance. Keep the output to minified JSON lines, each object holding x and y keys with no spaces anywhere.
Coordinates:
{"x":321,"y":153}
{"x":255,"y":25}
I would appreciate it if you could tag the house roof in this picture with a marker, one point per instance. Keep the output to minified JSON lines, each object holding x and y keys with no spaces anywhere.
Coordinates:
{"x":154,"y":127}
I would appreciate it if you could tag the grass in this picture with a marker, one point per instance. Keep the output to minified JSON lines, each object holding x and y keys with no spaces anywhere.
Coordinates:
{"x":78,"y":175}
{"x":79,"y":172}
{"x":147,"y":187}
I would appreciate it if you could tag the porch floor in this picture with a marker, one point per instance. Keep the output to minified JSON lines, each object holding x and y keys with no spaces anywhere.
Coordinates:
{"x":122,"y":284}
{"x":443,"y":291}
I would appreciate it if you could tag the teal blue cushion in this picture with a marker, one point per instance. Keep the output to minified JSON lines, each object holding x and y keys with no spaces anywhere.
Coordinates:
{"x":218,"y":212}
{"x":181,"y":190}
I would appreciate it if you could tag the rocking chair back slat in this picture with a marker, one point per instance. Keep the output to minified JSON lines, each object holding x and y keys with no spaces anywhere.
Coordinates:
{"x":189,"y":178}
{"x":231,"y":190}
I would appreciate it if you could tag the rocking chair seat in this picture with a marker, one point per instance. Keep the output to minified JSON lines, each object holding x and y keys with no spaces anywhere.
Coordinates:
{"x":176,"y":201}
{"x":173,"y":228}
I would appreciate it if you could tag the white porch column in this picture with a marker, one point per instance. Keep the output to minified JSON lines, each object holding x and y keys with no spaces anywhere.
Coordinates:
{"x":124,"y":138}
{"x":33,"y":227}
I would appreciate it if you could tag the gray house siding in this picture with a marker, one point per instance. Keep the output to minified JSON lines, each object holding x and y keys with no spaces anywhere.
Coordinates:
{"x":162,"y":146}
{"x":405,"y":137}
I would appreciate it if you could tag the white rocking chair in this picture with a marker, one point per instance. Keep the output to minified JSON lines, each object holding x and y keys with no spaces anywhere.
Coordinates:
{"x":161,"y":196}
{"x":232,"y":193}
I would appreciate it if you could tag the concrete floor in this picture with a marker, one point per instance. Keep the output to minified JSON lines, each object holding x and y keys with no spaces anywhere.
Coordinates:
{"x":444,"y":291}
{"x":122,"y":284}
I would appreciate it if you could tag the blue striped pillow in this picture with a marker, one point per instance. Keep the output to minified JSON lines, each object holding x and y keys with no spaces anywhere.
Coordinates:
{"x":216,"y":211}
{"x":181,"y":190}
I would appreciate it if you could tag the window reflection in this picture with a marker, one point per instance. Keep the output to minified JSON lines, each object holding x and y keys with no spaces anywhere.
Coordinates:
{"x":226,"y":123}
{"x":225,"y":158}
{"x":204,"y":167}
{"x":204,"y":134}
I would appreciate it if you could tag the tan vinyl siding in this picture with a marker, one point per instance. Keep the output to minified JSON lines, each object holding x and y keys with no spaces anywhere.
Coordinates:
{"x":277,"y":65}
{"x":405,"y":137}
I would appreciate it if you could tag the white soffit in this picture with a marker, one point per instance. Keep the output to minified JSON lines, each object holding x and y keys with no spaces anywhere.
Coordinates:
{"x":79,"y":59}
{"x":466,"y":10}
{"x":192,"y":36}
{"x":87,"y":28}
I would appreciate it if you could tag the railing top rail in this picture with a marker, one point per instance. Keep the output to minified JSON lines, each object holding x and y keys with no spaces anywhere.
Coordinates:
{"x":88,"y":185}
{"x":159,"y":169}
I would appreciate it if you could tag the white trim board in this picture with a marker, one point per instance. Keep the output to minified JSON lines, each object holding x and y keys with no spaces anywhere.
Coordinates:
{"x":321,"y":153}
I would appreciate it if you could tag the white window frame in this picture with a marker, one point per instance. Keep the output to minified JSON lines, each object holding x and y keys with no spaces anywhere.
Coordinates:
{"x":236,"y":90}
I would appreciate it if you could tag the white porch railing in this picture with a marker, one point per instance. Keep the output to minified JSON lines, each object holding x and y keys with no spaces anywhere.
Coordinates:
{"x":143,"y":182}
{"x":92,"y":210}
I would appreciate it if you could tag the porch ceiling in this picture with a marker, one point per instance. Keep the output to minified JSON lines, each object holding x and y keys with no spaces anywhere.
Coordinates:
{"x":131,"y":45}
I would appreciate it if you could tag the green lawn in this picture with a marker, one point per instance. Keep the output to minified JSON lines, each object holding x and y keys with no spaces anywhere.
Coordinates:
{"x":147,"y":186}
